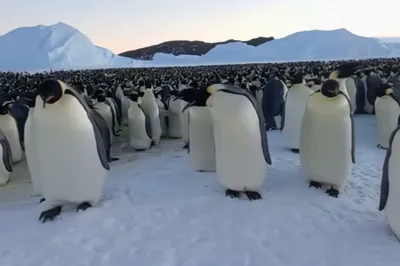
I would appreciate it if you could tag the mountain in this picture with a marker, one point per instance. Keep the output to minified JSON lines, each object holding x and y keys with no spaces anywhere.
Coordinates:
{"x":300,"y":46}
{"x":61,"y":46}
{"x":177,"y":48}
{"x":58,"y":46}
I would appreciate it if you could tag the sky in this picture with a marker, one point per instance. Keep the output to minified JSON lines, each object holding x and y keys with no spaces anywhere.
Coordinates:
{"x":122,"y":25}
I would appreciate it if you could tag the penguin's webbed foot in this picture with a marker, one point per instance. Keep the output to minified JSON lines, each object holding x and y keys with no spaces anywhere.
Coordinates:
{"x":295,"y":150}
{"x":333,"y":192}
{"x":253,"y":195}
{"x":42,"y":200}
{"x":232,"y":193}
{"x":186,"y":146}
{"x":50,"y":214}
{"x":112,"y":159}
{"x":83,"y":206}
{"x":315,"y":184}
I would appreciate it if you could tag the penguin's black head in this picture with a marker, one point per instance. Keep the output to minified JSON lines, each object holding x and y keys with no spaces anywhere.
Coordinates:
{"x":330,"y":88}
{"x":4,"y":110}
{"x":344,"y":71}
{"x":298,"y":79}
{"x":50,"y":91}
{"x":141,"y":93}
{"x":384,"y":89}
{"x":101,"y":97}
{"x":134,"y":97}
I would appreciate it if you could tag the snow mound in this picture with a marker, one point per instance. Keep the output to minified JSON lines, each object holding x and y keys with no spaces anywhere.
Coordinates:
{"x":58,"y":46}
{"x":300,"y":46}
{"x":156,"y":211}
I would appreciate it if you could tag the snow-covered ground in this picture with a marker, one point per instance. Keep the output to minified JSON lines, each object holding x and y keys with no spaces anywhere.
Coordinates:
{"x":156,"y":211}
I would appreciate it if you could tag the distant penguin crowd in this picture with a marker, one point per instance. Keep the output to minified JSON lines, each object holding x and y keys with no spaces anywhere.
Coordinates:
{"x":65,"y":123}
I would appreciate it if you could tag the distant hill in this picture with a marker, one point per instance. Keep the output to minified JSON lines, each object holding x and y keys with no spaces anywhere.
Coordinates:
{"x":176,"y":48}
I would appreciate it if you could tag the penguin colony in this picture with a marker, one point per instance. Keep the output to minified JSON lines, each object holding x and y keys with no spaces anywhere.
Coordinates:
{"x":221,"y":113}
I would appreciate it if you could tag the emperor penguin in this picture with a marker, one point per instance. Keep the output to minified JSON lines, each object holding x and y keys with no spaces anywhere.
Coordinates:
{"x":150,"y":108}
{"x":163,"y":109}
{"x":30,"y":144}
{"x":175,"y":118}
{"x":327,"y":138}
{"x":105,"y":110}
{"x":341,"y":74}
{"x":390,"y":185}
{"x":295,"y":105}
{"x":6,"y":162}
{"x":241,"y":147}
{"x":69,"y":147}
{"x":387,"y":112}
{"x":351,"y":89}
{"x":139,"y":125}
{"x":9,"y":126}
{"x":201,"y":147}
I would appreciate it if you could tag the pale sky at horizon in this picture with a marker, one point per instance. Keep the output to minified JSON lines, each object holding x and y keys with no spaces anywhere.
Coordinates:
{"x":121,"y":25}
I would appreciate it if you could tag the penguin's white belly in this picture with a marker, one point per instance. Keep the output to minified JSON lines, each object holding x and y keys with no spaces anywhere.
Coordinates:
{"x":150,"y":108}
{"x":70,"y":166}
{"x":106,"y":113}
{"x":175,"y":119}
{"x":369,"y":108}
{"x":201,"y":140}
{"x":138,"y":138}
{"x":125,"y":104}
{"x":391,"y":210}
{"x":294,"y":110}
{"x":352,"y":91}
{"x":4,"y":174}
{"x":387,"y":113}
{"x":325,"y":149}
{"x":240,"y":162}
{"x":9,"y":126}
{"x":31,"y":154}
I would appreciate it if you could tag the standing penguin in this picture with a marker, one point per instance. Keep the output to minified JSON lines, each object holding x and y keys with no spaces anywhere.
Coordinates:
{"x":9,"y":126}
{"x":150,"y":108}
{"x":242,"y":155}
{"x":201,"y":145}
{"x":106,"y":112}
{"x":139,"y":125}
{"x":272,"y":102}
{"x":390,"y":185}
{"x":70,"y":151}
{"x":295,"y":104}
{"x":6,"y":162}
{"x":327,"y":139}
{"x":387,"y":112}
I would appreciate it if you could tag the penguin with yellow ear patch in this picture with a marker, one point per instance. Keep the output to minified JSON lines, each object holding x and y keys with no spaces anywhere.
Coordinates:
{"x":387,"y":112}
{"x":327,"y":139}
{"x":341,"y":74}
{"x":241,"y":148}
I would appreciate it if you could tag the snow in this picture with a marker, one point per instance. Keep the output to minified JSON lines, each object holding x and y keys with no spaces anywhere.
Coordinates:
{"x":156,"y":211}
{"x":58,"y":46}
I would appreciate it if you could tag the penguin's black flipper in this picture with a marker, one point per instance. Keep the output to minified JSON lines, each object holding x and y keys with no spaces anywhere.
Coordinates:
{"x":232,"y":193}
{"x":186,"y":146}
{"x":50,"y":214}
{"x":253,"y":195}
{"x":83,"y":206}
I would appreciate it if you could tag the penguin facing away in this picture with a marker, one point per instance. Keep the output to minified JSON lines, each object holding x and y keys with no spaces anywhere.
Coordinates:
{"x":6,"y":162}
{"x":327,"y":139}
{"x":390,"y":184}
{"x":239,"y":134}
{"x":387,"y":113}
{"x":77,"y":174}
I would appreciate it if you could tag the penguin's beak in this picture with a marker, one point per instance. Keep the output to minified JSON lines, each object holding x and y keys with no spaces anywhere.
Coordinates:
{"x":47,"y":100}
